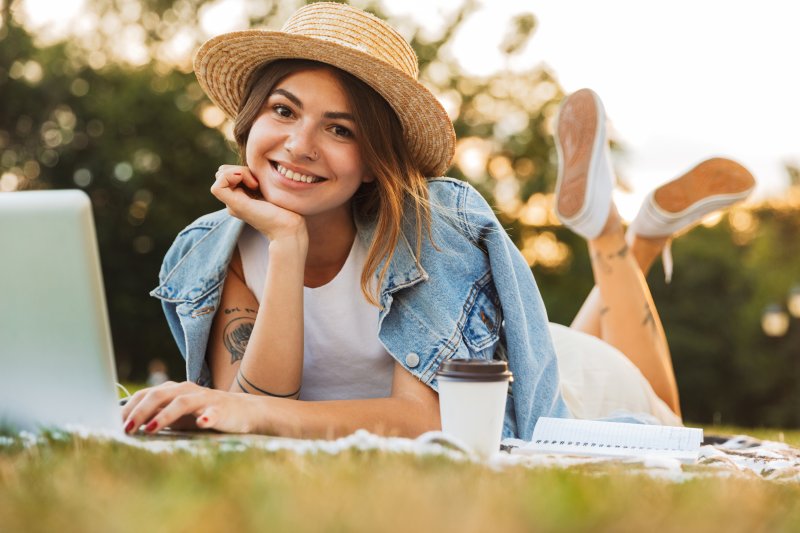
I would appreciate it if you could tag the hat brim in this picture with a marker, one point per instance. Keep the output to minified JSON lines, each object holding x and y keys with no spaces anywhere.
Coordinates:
{"x":224,"y":64}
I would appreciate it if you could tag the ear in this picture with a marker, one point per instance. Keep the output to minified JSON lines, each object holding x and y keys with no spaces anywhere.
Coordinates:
{"x":367,"y":178}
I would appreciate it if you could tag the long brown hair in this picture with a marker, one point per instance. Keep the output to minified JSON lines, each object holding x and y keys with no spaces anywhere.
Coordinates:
{"x":399,"y":190}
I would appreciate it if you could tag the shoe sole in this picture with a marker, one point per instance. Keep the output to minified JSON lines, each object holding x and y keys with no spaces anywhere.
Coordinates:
{"x":575,"y":135}
{"x":715,"y":177}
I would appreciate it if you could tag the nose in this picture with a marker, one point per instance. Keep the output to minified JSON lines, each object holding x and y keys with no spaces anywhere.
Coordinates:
{"x":300,"y":143}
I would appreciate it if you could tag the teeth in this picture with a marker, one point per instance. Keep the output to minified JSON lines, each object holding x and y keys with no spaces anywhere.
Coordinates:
{"x":296,"y":176}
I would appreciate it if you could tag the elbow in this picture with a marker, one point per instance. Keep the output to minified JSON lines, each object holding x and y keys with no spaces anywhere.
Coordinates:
{"x":421,"y":415}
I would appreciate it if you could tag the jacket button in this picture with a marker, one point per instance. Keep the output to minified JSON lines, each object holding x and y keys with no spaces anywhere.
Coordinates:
{"x":412,"y":360}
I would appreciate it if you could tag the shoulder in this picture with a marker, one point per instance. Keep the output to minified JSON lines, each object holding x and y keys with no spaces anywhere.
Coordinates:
{"x":455,"y":199}
{"x":218,"y":226}
{"x":446,"y":189}
{"x":452,"y":192}
{"x":205,"y":223}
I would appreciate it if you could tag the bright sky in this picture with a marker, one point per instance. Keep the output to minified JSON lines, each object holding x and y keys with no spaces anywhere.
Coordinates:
{"x":681,"y":81}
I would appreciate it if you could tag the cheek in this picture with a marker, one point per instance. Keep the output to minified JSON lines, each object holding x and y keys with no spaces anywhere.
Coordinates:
{"x":250,"y":148}
{"x":258,"y":139}
{"x":353,"y":165}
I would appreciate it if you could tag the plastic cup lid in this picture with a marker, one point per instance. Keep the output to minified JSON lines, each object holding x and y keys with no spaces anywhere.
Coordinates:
{"x":475,"y":370}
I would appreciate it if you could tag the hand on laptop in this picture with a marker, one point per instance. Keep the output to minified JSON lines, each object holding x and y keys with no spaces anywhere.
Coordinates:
{"x":187,"y":405}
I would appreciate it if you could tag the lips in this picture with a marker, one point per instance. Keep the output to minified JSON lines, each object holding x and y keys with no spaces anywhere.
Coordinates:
{"x":296,"y":176}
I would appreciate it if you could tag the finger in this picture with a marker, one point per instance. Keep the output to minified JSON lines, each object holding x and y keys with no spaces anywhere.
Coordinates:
{"x":249,"y":179}
{"x":133,"y":400}
{"x":229,"y":416}
{"x":235,"y":174}
{"x":152,"y":402}
{"x":179,"y":406}
{"x":229,"y":169}
{"x":208,"y":417}
{"x":235,"y":199}
{"x":230,"y":180}
{"x":137,"y":397}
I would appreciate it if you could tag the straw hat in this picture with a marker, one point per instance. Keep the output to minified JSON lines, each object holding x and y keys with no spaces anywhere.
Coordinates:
{"x":349,"y":39}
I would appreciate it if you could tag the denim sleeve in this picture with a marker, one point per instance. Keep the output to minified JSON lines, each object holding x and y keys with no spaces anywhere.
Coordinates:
{"x":531,"y":354}
{"x":182,"y":244}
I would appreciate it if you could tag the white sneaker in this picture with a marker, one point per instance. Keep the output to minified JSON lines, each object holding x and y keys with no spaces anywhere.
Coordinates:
{"x":677,"y":206}
{"x":585,"y":175}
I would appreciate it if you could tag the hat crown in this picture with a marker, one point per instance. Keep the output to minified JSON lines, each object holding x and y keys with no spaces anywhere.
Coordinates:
{"x":350,"y":27}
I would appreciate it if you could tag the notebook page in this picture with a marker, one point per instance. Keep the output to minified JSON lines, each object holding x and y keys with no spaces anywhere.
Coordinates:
{"x":593,"y":437}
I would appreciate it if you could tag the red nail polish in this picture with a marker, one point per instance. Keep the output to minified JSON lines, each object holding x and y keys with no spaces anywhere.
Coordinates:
{"x":129,"y":427}
{"x":204,"y":419}
{"x":151,"y":426}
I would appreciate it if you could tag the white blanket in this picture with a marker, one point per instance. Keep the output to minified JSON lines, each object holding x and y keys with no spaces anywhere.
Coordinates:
{"x":740,"y":456}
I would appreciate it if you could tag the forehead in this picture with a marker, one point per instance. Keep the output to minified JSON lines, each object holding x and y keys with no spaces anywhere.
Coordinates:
{"x":316,"y":86}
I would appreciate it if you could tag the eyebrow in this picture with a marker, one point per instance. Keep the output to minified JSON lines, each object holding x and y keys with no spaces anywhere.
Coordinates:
{"x":336,"y":115}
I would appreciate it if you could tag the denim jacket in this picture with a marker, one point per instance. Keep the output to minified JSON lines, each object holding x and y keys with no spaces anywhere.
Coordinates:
{"x":469,"y":294}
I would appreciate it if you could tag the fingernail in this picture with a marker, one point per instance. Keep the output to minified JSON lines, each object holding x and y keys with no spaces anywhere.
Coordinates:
{"x":237,"y":173}
{"x":151,"y":426}
{"x":129,"y":427}
{"x":204,"y":419}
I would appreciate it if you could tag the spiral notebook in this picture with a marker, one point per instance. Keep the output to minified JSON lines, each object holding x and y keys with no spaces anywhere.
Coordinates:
{"x":614,"y":439}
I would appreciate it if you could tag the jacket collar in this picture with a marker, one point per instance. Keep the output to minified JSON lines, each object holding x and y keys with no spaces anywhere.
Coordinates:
{"x":404,"y":269}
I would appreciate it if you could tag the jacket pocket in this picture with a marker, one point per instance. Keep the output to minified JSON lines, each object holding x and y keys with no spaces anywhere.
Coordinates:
{"x":483,"y":316}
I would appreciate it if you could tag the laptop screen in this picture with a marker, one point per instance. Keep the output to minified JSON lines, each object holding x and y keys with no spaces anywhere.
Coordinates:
{"x":56,"y":360}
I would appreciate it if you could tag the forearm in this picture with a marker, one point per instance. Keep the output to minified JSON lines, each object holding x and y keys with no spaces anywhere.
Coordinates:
{"x":273,"y":360}
{"x":395,"y":416}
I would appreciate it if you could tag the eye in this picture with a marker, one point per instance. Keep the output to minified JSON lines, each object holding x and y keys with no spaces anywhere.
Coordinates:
{"x":341,"y":131}
{"x":282,"y":111}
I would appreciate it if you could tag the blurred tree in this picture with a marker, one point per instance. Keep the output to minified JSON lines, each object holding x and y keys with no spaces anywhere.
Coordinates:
{"x":130,"y":139}
{"x":794,"y":175}
{"x":115,"y":110}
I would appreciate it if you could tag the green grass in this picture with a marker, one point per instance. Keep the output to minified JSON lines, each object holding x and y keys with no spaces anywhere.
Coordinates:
{"x":789,"y":436}
{"x":79,"y":485}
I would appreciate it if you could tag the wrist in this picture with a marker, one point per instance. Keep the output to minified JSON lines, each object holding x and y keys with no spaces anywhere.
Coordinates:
{"x":262,"y":413}
{"x":292,"y":230}
{"x":286,"y":247}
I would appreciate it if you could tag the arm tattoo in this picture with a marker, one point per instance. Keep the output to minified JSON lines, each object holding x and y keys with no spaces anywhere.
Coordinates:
{"x":229,"y":310}
{"x":622,"y":252}
{"x":236,"y":336}
{"x":262,"y":391}
{"x":239,"y":382}
{"x":602,"y":264}
{"x":649,"y":319}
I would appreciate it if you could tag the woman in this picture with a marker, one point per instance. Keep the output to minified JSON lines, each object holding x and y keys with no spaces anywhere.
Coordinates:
{"x":346,"y":275}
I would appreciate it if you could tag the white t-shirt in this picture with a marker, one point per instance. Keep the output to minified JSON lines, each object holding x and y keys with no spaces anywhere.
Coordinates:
{"x":342,"y":355}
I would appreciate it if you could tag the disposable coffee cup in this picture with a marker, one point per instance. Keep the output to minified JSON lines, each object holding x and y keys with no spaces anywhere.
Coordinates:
{"x":472,"y":402}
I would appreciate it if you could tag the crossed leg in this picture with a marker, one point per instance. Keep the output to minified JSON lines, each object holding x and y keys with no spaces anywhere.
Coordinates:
{"x":620,"y":308}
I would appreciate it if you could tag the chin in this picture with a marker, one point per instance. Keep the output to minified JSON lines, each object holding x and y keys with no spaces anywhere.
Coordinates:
{"x":291,"y":204}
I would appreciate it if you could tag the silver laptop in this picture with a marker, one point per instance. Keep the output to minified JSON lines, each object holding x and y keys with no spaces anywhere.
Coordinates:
{"x":56,"y":360}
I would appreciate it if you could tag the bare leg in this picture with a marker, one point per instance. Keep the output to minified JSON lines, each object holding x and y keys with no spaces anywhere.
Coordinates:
{"x":645,"y":251}
{"x":622,"y":305}
{"x":713,"y":184}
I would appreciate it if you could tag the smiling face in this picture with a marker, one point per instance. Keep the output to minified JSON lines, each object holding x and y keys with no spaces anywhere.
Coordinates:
{"x":302,"y":146}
